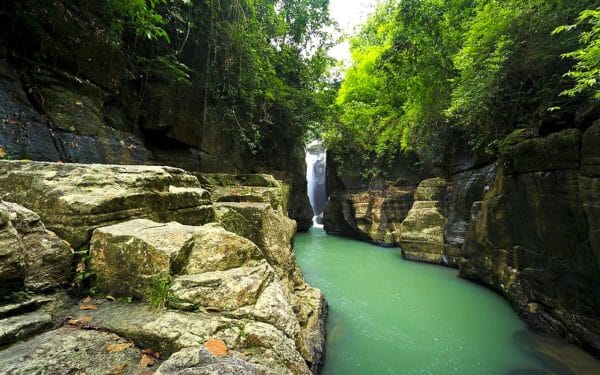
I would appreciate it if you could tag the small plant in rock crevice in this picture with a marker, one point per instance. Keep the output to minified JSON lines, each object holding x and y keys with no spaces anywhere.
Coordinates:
{"x":159,"y":295}
{"x":83,"y":273}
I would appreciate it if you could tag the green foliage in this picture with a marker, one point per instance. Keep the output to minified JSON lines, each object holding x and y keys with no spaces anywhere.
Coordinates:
{"x":425,"y":69}
{"x":586,"y":71}
{"x":83,"y":273}
{"x":140,"y":15}
{"x":158,"y":295}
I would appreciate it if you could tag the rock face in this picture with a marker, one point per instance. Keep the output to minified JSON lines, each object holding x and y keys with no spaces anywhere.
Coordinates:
{"x":71,"y":351}
{"x":535,"y":235}
{"x":31,"y":256}
{"x":369,"y":210}
{"x":74,"y":199}
{"x":464,"y":189}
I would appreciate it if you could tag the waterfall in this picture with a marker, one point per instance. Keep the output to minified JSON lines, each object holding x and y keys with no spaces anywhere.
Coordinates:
{"x":316,"y":177}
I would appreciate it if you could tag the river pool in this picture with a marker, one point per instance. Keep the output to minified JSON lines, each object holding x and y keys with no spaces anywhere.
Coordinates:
{"x":392,"y":316}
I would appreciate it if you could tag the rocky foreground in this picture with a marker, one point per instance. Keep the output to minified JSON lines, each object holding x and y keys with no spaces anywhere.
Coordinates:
{"x":188,"y":273}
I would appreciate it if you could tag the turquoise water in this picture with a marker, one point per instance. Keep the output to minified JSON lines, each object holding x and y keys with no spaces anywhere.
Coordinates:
{"x":392,"y":316}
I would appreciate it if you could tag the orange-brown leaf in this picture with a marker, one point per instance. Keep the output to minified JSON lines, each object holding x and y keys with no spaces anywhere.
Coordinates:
{"x":80,"y":321}
{"x":147,"y":360}
{"x":88,"y":307}
{"x":217,"y":347}
{"x":151,"y":352}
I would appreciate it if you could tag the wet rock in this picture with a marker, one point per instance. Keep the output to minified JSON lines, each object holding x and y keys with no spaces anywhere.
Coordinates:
{"x":464,"y":189}
{"x":74,"y":199}
{"x":562,"y":358}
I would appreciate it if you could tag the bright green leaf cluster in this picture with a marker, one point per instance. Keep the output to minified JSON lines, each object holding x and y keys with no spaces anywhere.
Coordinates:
{"x":586,"y":72}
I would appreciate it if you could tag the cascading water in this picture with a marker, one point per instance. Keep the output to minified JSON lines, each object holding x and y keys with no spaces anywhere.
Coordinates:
{"x":316,"y":177}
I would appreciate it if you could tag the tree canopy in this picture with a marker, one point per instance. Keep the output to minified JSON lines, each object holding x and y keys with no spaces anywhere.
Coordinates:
{"x":425,"y":69}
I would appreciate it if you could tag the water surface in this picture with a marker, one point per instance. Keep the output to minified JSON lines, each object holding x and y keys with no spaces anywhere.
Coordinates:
{"x":392,"y":316}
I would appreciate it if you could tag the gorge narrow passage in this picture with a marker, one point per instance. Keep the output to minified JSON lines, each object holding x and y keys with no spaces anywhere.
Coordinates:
{"x":393,"y":316}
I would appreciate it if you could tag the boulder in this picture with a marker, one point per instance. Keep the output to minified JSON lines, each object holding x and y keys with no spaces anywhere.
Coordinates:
{"x":126,"y":257}
{"x":200,"y":361}
{"x":215,"y":249}
{"x":74,"y":199}
{"x":32,"y":257}
{"x":268,"y":228}
{"x":213,"y":271}
{"x":223,"y":290}
{"x":421,"y":235}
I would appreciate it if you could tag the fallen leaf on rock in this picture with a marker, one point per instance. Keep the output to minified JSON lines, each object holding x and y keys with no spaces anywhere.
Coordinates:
{"x":110,"y":298}
{"x":79,"y":103}
{"x":88,"y":307}
{"x":118,"y":369}
{"x":80,"y":321}
{"x":217,"y":347}
{"x":119,"y":347}
{"x":87,"y":300}
{"x":147,"y":360}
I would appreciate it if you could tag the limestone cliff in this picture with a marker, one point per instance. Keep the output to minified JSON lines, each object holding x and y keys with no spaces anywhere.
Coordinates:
{"x":534,"y":238}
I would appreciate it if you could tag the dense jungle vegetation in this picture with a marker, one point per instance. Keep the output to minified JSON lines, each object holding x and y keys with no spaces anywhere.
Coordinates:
{"x":259,"y":63}
{"x":426,"y":72}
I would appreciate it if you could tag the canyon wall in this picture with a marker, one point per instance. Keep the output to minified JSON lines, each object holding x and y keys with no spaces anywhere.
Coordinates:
{"x":527,"y":225}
